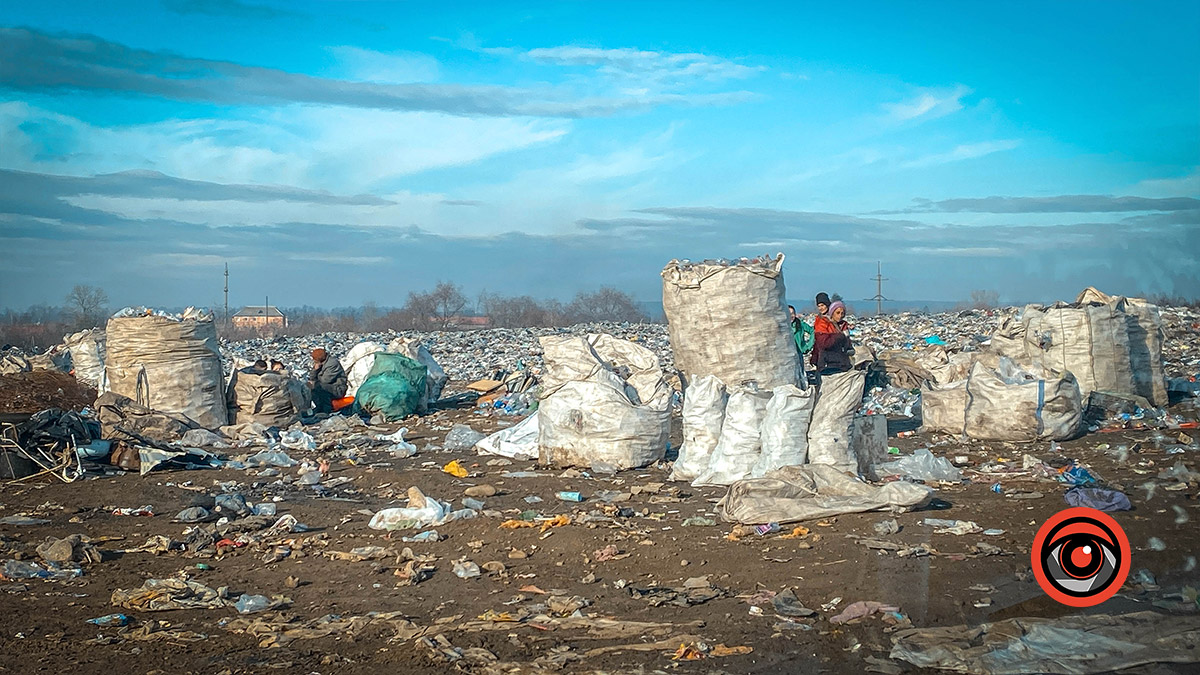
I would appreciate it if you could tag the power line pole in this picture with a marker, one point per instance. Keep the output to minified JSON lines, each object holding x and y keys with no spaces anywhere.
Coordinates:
{"x":878,"y":279}
{"x":226,"y":294}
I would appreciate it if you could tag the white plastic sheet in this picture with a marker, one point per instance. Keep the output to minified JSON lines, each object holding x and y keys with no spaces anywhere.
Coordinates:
{"x":357,"y":363}
{"x":808,"y":492}
{"x":519,"y":441}
{"x":921,"y":465}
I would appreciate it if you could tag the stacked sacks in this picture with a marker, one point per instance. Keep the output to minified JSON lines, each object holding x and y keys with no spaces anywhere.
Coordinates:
{"x":838,"y":399}
{"x":731,"y":321}
{"x":604,"y":400}
{"x":361,"y":358}
{"x":704,"y":406}
{"x":741,"y":433}
{"x":1110,"y":343}
{"x":170,"y":364}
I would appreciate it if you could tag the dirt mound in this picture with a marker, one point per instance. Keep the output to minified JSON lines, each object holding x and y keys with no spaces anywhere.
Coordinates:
{"x":41,"y":389}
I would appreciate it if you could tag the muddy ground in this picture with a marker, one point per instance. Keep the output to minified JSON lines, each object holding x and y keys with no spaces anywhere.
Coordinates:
{"x":45,"y":626}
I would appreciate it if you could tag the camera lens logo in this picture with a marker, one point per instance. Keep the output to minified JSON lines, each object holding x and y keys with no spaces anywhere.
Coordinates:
{"x":1080,"y":557}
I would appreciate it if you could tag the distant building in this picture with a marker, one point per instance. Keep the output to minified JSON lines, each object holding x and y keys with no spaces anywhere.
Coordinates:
{"x":259,"y":317}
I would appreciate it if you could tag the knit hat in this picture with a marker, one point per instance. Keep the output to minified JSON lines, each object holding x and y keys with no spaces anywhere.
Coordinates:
{"x":837,"y":304}
{"x":823,"y":299}
{"x":319,"y":354}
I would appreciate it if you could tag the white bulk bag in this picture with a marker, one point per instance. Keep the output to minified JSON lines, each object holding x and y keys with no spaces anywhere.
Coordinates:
{"x":703,"y":414}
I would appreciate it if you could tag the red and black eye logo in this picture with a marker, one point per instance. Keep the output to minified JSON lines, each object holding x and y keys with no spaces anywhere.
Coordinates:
{"x":1080,"y":557}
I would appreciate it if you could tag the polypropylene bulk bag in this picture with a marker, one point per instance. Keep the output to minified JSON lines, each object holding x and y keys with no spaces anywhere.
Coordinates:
{"x":703,"y":414}
{"x":741,"y":438}
{"x":393,"y":388}
{"x":1046,"y":407}
{"x":730,"y":320}
{"x":785,"y":429}
{"x":168,"y":364}
{"x":839,"y":396}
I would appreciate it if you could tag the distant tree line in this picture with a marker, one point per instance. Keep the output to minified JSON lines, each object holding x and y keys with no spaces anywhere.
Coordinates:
{"x":446,"y":307}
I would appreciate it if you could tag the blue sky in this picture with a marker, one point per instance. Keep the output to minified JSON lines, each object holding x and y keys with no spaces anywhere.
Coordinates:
{"x":340,"y":152}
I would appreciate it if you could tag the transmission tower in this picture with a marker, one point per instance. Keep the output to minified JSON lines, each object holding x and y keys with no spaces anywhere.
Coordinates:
{"x":226,"y":294}
{"x":878,"y":279}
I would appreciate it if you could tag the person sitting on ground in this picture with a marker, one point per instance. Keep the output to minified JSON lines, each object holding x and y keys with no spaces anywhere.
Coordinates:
{"x":832,"y":351}
{"x":277,"y":366}
{"x":802,"y":333}
{"x":260,"y":365}
{"x":328,"y":381}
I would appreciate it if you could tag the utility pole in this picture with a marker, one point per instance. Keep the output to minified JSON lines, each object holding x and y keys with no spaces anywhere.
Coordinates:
{"x":226,"y":294}
{"x":878,"y":279}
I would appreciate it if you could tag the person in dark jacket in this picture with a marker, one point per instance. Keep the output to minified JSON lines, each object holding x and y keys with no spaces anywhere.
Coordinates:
{"x":832,"y":351}
{"x":328,"y":381}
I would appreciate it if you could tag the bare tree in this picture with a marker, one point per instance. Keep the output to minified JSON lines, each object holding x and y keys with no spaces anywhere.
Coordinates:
{"x":606,"y":304}
{"x":448,"y":302}
{"x":86,"y":304}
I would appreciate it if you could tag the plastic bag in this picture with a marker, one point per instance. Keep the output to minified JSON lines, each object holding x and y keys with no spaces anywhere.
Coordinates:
{"x":461,"y":437}
{"x":838,"y":398}
{"x":422,"y":511}
{"x":921,"y":465}
{"x":703,"y":414}
{"x":785,"y":430}
{"x":741,"y":439}
{"x":519,"y":441}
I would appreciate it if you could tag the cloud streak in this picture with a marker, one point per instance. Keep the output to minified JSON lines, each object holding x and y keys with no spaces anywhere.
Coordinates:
{"x":34,"y":61}
{"x":1055,"y":204}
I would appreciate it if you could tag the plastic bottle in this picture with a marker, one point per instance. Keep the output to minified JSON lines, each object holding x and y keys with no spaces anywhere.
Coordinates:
{"x":568,"y":496}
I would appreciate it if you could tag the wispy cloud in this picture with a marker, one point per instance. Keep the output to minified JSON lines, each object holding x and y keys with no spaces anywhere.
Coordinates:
{"x":662,"y":67}
{"x":962,"y":152}
{"x":1055,"y":204}
{"x":226,"y":8}
{"x":33,"y":61}
{"x":929,"y":104}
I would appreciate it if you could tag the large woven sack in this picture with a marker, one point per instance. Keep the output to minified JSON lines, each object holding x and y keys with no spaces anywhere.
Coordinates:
{"x":87,"y":356}
{"x":436,"y":378}
{"x":731,"y":321}
{"x":741,"y":438}
{"x":169,"y":365}
{"x":1047,"y":407}
{"x":1091,"y":341}
{"x":593,"y":421}
{"x":944,"y":408}
{"x":393,"y":388}
{"x":603,"y":400}
{"x":357,"y":363}
{"x":838,"y":398}
{"x":703,"y":413}
{"x":785,"y":429}
{"x":809,"y":492}
{"x":1146,"y":336}
{"x":269,"y":398}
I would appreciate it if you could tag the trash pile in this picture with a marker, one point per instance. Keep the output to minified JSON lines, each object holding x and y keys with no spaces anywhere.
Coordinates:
{"x":531,"y":485}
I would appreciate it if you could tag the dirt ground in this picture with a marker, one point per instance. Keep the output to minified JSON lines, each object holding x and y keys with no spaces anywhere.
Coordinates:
{"x":41,"y":389}
{"x":46,"y":628}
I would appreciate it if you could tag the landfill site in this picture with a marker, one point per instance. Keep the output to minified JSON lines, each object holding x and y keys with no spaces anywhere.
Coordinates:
{"x":693,"y":496}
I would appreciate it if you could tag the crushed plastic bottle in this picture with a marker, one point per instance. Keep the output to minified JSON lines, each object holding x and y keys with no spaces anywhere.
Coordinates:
{"x":264,"y":509}
{"x":110,"y":620}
